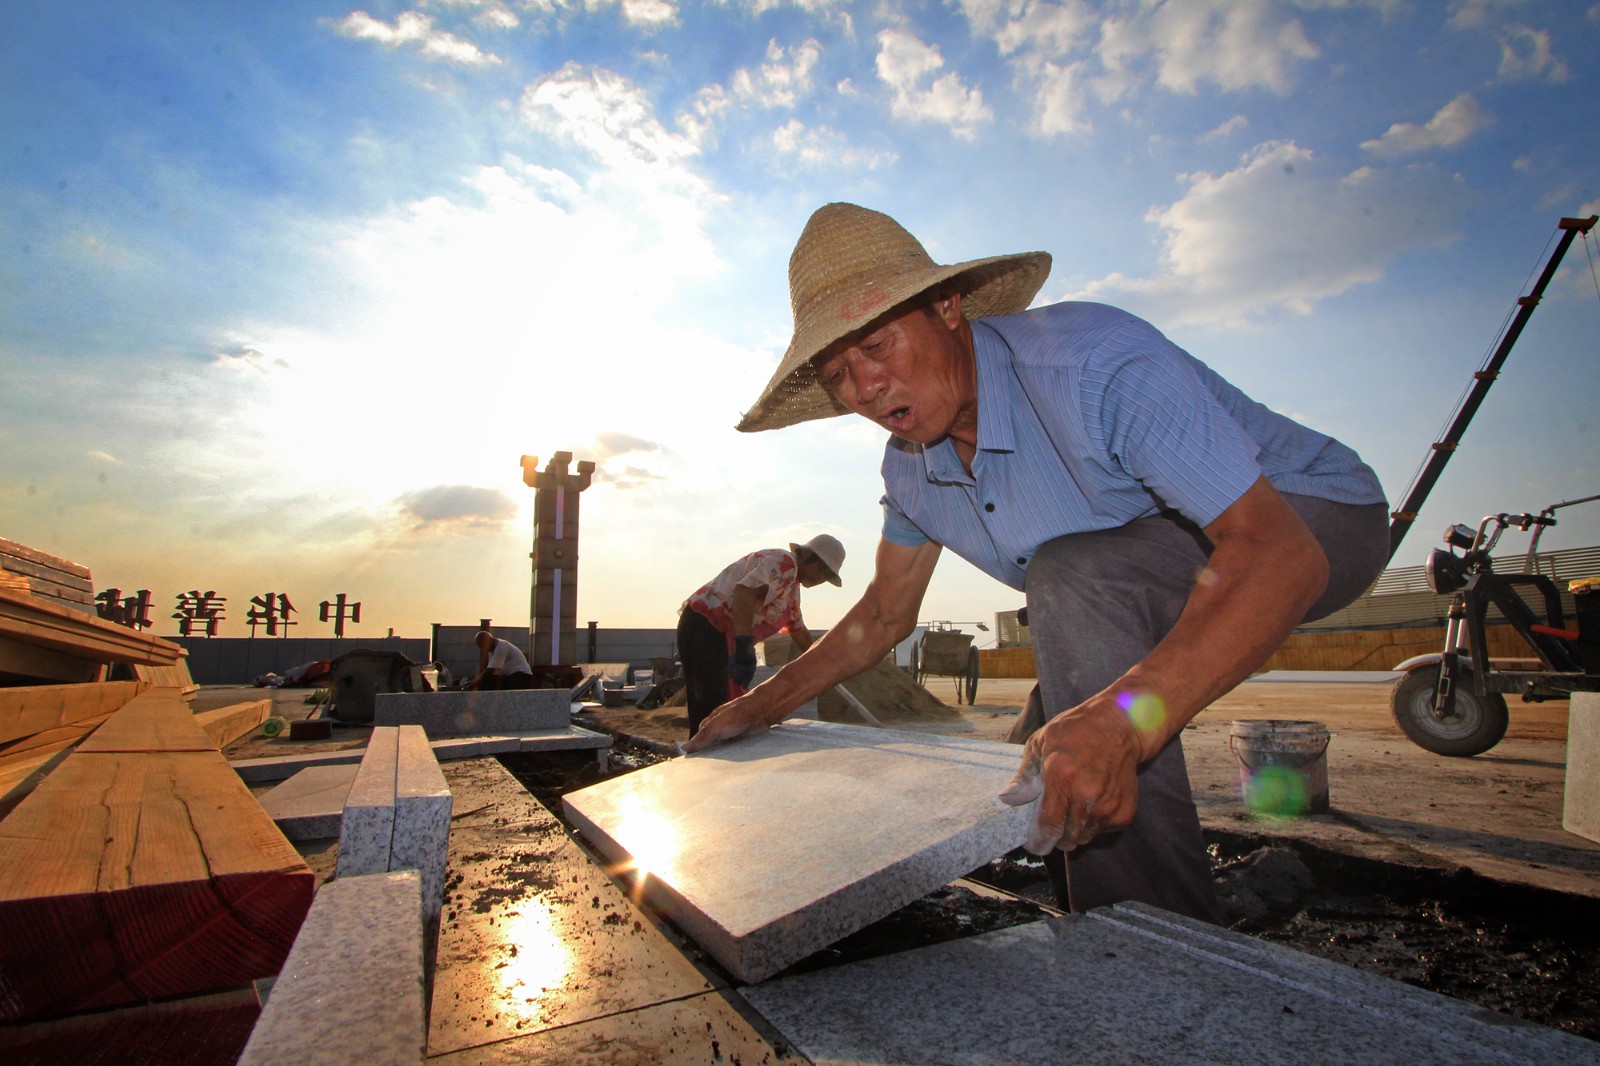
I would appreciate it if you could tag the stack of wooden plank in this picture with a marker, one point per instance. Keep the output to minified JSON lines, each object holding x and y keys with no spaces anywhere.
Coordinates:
{"x":140,"y":868}
{"x":63,"y":669}
{"x":24,"y":569}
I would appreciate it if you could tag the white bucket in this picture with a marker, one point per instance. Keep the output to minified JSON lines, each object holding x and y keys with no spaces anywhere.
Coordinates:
{"x":1283,"y":766}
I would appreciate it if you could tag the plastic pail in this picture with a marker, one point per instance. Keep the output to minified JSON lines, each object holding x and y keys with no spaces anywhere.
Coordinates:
{"x":1283,"y":766}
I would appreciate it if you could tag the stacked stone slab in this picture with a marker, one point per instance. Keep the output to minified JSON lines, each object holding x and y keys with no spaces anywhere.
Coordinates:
{"x":397,"y":813}
{"x":310,"y":805}
{"x":445,"y":714}
{"x":351,"y":989}
{"x":1134,"y":984}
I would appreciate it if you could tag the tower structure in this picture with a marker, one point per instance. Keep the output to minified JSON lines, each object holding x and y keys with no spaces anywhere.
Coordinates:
{"x":553,"y":600}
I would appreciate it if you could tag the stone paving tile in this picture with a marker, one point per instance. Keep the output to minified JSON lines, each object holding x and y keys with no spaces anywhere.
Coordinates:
{"x":702,"y":1029}
{"x":309,"y":805}
{"x":535,"y":937}
{"x":1133,"y":984}
{"x":772,"y":847}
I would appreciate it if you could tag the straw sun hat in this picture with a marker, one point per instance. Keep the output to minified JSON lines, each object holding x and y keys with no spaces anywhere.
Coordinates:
{"x":852,"y":265}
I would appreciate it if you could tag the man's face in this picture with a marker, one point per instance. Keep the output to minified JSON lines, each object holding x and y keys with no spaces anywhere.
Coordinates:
{"x":910,"y":373}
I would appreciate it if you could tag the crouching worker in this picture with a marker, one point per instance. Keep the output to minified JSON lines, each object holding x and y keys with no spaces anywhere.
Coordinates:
{"x":1168,"y":531}
{"x":750,"y":600}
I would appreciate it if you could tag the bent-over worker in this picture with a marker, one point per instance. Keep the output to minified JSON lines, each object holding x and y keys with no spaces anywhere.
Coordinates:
{"x":750,"y":600}
{"x":504,"y":664}
{"x":1168,"y":531}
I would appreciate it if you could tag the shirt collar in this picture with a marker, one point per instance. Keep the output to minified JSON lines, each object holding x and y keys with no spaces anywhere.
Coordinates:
{"x":992,"y":358}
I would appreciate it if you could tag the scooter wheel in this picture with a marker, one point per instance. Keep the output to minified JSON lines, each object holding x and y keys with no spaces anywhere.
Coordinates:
{"x":1477,"y":724}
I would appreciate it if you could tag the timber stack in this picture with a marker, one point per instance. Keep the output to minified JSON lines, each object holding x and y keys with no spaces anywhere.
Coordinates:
{"x":142,"y":888}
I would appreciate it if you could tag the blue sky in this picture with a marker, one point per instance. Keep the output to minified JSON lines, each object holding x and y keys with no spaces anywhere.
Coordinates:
{"x":286,"y":289}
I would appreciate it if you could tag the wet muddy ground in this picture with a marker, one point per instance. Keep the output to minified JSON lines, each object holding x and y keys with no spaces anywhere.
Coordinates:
{"x":1528,"y":952}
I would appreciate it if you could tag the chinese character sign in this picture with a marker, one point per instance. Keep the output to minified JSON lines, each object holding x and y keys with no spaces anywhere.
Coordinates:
{"x":131,"y":611}
{"x":339,"y":610}
{"x":199,"y":612}
{"x":271,"y":610}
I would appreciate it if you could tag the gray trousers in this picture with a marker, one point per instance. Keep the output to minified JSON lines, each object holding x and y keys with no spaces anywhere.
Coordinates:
{"x":1097,"y":604}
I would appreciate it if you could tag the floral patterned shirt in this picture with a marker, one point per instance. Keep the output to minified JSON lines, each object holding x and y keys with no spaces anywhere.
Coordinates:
{"x":780,"y":611}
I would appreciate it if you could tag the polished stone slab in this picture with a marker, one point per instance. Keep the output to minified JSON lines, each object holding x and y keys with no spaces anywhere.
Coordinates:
{"x":1133,"y":984}
{"x":1580,"y":799}
{"x":466,"y":713}
{"x":769,"y":848}
{"x":366,"y":829}
{"x":310,"y":805}
{"x":421,"y":817}
{"x":351,"y":989}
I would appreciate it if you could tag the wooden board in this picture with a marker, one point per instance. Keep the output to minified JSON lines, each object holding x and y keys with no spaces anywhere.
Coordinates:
{"x":126,"y":877}
{"x":30,"y":709}
{"x":44,"y":624}
{"x":38,"y":665}
{"x":224,"y":725}
{"x":156,"y":721}
{"x":46,"y":575}
{"x":209,"y":1030}
{"x":53,"y":739}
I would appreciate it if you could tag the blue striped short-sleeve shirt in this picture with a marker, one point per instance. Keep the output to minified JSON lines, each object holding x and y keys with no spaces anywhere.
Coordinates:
{"x":1089,"y":418}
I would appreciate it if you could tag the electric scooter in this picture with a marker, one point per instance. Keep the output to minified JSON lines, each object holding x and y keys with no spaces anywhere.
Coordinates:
{"x":1454,"y":703}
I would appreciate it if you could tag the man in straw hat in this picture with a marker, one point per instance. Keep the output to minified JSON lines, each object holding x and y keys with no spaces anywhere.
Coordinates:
{"x":1168,"y":531}
{"x":751,"y":599}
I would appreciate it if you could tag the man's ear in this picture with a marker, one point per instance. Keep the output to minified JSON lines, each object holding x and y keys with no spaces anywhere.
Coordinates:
{"x":948,"y":307}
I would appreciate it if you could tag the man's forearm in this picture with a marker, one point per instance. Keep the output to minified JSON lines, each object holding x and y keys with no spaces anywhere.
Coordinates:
{"x":1257,"y":585}
{"x":856,"y":644}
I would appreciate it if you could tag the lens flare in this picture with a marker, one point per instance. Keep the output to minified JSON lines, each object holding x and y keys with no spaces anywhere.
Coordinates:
{"x":1276,"y":792}
{"x":1144,"y":709}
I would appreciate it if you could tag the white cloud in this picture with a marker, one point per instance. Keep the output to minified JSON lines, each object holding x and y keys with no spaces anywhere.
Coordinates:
{"x":1061,"y":52}
{"x":1225,"y":129}
{"x":1235,"y":44}
{"x":1034,"y":25}
{"x":1469,"y":13}
{"x":415,"y":28}
{"x":1450,"y":126}
{"x":604,"y":113}
{"x":781,"y":80}
{"x":470,"y":506}
{"x":103,"y":457}
{"x":1525,"y":55}
{"x":1282,"y":231}
{"x":821,"y":147}
{"x":906,"y":65}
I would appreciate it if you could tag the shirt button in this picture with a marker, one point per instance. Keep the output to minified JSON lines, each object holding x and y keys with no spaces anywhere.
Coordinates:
{"x":988,"y":507}
{"x":1021,"y":561}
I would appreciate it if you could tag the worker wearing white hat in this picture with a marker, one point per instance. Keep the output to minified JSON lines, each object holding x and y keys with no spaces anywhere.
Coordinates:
{"x":752,"y":598}
{"x":1168,"y":531}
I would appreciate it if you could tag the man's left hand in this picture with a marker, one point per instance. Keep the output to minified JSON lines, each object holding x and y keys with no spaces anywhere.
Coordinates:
{"x":1082,"y":767}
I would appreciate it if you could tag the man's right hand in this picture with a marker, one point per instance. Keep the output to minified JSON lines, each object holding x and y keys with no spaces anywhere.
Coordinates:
{"x":738,"y":717}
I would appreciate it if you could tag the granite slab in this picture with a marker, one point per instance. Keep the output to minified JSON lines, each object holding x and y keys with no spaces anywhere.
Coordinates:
{"x":1134,"y":984}
{"x":421,"y":817}
{"x":1580,"y":798}
{"x":351,"y":989}
{"x":269,"y":768}
{"x":772,"y":847}
{"x":466,"y":713}
{"x":366,"y":830}
{"x":310,"y":805}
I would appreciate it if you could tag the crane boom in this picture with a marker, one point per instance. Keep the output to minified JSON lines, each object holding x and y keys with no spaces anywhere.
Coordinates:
{"x":1402,"y":518}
